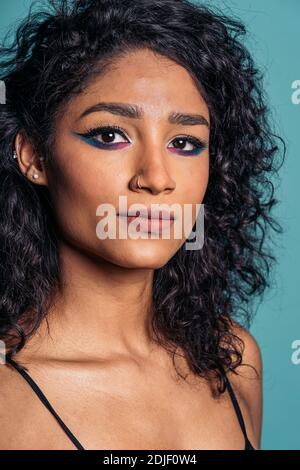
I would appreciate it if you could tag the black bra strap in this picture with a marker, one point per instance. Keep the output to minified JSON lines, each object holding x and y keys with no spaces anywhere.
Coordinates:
{"x":44,"y":400}
{"x":236,"y":407}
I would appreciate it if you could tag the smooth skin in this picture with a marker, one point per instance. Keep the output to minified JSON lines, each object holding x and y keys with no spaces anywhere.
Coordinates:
{"x":100,"y":369}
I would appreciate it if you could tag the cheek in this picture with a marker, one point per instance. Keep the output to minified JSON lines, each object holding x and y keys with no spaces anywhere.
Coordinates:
{"x":196,"y":182}
{"x":77,"y":191}
{"x":194,"y":185}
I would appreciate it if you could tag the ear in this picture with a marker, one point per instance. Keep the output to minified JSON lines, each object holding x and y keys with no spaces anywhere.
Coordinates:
{"x":31,"y":165}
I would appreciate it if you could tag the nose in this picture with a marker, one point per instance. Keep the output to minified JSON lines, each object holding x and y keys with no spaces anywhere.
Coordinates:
{"x":154,"y":173}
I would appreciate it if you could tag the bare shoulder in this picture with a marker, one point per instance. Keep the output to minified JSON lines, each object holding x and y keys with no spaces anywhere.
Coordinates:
{"x":251,"y":353}
{"x":13,"y":406}
{"x":248,"y":380}
{"x":6,"y":405}
{"x":7,"y":383}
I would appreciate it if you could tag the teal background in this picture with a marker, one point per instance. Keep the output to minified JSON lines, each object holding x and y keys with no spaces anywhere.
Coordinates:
{"x":274,"y":39}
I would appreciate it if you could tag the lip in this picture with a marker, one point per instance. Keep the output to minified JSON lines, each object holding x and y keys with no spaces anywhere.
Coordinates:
{"x":152,"y":214}
{"x":150,"y":224}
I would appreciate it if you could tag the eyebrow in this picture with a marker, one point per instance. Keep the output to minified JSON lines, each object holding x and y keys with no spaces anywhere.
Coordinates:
{"x":136,"y":112}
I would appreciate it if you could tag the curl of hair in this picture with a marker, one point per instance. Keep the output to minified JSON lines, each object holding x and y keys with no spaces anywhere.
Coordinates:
{"x":55,"y":52}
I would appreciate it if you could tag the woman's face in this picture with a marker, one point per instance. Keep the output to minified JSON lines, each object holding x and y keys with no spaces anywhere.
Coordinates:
{"x":88,"y":171}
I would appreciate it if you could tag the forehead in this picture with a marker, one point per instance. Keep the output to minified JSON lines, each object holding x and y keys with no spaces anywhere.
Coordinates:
{"x":150,"y":80}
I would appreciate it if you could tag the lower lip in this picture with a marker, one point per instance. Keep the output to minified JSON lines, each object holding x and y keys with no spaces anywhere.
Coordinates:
{"x":150,"y":225}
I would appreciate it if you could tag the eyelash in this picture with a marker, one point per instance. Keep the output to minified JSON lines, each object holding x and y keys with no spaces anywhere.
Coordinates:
{"x":92,"y":132}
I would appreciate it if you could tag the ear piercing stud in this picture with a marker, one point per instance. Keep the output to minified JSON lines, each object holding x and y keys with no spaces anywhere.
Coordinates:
{"x":15,"y":156}
{"x":35,"y":175}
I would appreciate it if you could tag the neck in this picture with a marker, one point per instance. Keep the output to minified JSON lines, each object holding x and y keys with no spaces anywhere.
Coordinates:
{"x":100,"y":310}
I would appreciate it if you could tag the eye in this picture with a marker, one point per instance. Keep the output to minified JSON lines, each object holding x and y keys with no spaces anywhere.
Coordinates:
{"x":188,"y":145}
{"x":105,"y":137}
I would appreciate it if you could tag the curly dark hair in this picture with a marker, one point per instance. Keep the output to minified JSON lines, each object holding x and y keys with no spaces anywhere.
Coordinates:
{"x":198,"y":293}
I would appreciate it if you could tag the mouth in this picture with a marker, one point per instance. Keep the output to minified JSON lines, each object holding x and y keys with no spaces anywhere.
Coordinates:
{"x":155,"y":221}
{"x":149,"y":214}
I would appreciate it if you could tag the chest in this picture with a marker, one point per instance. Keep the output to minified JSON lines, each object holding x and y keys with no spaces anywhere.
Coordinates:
{"x":122,"y":413}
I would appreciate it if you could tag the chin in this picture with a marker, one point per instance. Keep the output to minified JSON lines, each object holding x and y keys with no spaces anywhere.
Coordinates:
{"x":143,"y":257}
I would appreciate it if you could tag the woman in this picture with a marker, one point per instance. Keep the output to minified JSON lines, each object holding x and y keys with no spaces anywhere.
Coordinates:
{"x":132,"y":343}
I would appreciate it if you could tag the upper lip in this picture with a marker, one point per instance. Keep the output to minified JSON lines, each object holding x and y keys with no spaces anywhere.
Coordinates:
{"x":150,"y":213}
